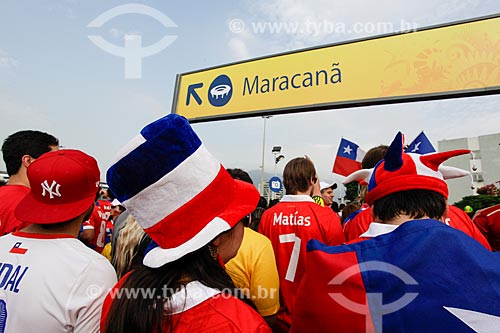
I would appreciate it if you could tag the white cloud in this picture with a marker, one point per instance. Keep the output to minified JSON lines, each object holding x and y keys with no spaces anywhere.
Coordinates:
{"x":238,"y":48}
{"x":299,"y":23}
{"x":6,"y":61}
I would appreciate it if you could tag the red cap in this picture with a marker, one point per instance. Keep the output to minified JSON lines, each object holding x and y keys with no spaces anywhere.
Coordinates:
{"x":63,"y":186}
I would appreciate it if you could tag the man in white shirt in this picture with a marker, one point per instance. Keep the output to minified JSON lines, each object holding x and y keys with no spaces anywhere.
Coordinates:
{"x":49,"y":280}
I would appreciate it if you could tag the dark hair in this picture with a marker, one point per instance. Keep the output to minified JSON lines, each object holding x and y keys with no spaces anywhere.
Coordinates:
{"x":273,"y":202}
{"x":240,"y":174}
{"x":256,"y":217}
{"x":32,"y":143}
{"x":262,"y":202}
{"x":297,"y":174}
{"x":349,"y":209}
{"x":147,"y":314}
{"x":243,"y":176}
{"x":335,"y":206}
{"x":414,"y":203}
{"x":373,"y":156}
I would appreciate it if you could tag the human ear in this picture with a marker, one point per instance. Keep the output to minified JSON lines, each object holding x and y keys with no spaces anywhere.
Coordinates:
{"x":216,"y":242}
{"x":27,"y":160}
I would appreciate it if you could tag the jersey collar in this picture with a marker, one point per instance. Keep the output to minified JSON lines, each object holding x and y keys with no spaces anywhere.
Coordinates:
{"x":191,"y":295}
{"x":376,"y":229}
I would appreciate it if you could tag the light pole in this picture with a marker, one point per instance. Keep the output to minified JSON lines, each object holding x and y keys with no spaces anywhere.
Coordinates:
{"x":263,"y":150}
{"x":277,"y":158}
{"x":474,"y":175}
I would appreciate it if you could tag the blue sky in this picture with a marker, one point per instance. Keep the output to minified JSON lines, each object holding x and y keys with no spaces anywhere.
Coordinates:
{"x":53,"y":78}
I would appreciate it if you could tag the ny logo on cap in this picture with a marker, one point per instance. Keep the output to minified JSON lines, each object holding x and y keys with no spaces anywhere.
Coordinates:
{"x":50,"y":189}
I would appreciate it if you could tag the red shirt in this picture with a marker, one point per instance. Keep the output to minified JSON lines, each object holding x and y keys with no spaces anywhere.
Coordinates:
{"x":488,"y":222}
{"x":98,"y":221}
{"x":199,"y":308}
{"x":358,"y":225}
{"x":457,"y":219}
{"x":10,"y":196}
{"x":289,"y":225}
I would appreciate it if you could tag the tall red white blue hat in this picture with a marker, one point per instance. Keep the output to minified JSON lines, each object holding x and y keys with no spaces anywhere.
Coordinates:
{"x":178,"y":192}
{"x":400,"y":171}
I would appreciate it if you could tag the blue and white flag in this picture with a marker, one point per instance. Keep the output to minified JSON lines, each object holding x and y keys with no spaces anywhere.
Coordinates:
{"x":422,"y":277}
{"x":421,"y":145}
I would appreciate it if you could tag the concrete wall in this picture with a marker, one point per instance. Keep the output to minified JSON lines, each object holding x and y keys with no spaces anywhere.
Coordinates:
{"x":486,"y":149}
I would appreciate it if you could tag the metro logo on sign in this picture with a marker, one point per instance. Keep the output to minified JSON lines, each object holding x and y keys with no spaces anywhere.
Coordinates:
{"x":220,"y":91}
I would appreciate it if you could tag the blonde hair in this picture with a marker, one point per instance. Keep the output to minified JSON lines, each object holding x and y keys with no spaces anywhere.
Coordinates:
{"x":127,"y":243}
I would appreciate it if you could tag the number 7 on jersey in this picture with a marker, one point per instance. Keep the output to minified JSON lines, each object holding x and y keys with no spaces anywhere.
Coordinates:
{"x":294,"y":258}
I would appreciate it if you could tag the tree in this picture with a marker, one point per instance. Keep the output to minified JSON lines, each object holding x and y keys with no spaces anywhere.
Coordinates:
{"x":478,"y":201}
{"x":351,"y":192}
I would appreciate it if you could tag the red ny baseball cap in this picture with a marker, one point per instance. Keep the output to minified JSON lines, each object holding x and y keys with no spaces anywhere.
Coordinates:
{"x":63,"y":186}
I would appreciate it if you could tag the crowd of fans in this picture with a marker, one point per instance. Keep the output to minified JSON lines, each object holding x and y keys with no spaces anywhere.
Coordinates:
{"x":178,"y":243}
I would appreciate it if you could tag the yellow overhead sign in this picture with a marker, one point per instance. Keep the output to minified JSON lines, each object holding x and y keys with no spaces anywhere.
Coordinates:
{"x":461,"y":59}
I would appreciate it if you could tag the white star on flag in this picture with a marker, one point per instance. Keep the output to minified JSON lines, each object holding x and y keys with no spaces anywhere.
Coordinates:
{"x":347,"y":149}
{"x":416,"y":147}
{"x":479,"y":322}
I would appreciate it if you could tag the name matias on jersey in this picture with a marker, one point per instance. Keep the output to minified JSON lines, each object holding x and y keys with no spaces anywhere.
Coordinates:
{"x":292,"y":219}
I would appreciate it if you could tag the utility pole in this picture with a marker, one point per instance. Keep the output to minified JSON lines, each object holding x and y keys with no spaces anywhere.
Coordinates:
{"x":263,"y":150}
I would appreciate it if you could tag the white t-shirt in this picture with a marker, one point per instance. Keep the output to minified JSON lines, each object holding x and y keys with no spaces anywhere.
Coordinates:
{"x":51,"y":283}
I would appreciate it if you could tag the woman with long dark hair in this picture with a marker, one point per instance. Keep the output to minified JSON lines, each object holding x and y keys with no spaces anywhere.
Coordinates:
{"x":192,"y":209}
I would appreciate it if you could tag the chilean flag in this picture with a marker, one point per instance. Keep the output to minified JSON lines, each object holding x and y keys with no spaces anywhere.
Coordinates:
{"x":421,"y":145}
{"x":17,"y":249}
{"x":422,"y":277}
{"x":348,"y":159}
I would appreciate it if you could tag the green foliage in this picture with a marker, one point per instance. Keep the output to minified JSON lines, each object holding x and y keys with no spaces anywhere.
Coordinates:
{"x":351,"y":192}
{"x":478,"y":201}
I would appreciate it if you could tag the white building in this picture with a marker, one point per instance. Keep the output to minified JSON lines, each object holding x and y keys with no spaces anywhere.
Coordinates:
{"x":484,"y":164}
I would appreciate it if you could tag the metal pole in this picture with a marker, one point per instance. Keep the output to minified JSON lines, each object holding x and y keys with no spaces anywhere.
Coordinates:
{"x":273,"y":195}
{"x":263,"y":150}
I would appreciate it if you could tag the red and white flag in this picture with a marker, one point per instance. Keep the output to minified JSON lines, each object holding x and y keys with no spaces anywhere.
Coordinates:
{"x":348,"y":159}
{"x":17,"y":249}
